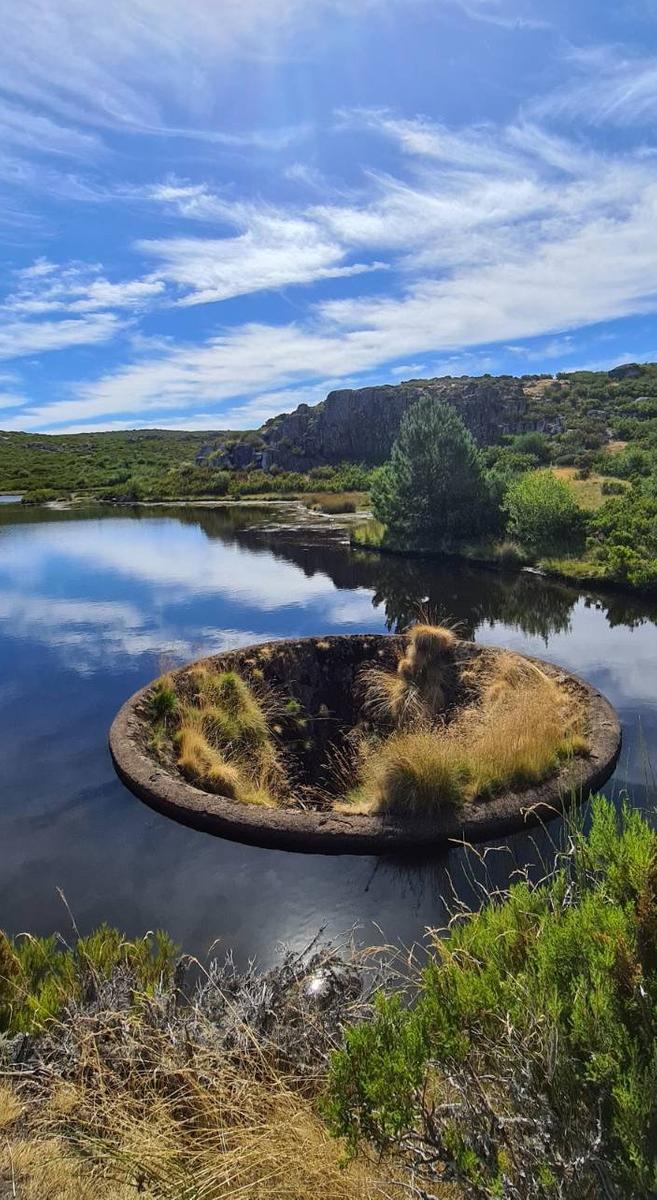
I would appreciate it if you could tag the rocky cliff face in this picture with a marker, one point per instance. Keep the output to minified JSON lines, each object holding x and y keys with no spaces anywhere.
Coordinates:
{"x":360,"y":426}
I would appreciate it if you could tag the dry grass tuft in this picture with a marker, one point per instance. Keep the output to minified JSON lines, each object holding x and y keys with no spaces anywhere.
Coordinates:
{"x":45,"y":1168}
{"x":203,"y":765}
{"x":431,"y":642}
{"x":217,"y":1134}
{"x":10,"y":1107}
{"x":521,"y":723}
{"x":415,"y":693}
{"x":410,"y":774}
{"x":390,"y":699}
{"x":525,"y":723}
{"x":218,"y":731}
{"x":189,"y":1101}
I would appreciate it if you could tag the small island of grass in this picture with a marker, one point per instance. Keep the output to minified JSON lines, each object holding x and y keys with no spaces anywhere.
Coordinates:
{"x":365,"y":742}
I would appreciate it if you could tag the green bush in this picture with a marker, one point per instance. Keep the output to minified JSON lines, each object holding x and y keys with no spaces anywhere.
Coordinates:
{"x":543,"y":514}
{"x":39,"y":496}
{"x":612,"y":487}
{"x":629,"y":463}
{"x":433,"y":491}
{"x":40,"y":976}
{"x":527,"y":1065}
{"x":535,"y":445}
{"x":623,"y":537}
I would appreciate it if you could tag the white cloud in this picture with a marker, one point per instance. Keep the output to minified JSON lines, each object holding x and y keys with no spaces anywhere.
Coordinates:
{"x":76,"y":288}
{"x":21,"y":127}
{"x":109,"y":66}
{"x":307,"y":175}
{"x":489,"y":234}
{"x":275,"y":251}
{"x":18,"y":338}
{"x":550,"y":242}
{"x":611,"y":87}
{"x":499,"y":12}
{"x":11,"y":400}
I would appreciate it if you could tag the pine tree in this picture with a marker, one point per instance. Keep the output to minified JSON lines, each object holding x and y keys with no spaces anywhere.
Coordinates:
{"x":433,"y":490}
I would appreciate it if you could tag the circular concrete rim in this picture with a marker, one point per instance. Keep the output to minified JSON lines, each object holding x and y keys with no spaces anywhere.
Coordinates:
{"x":344,"y":833}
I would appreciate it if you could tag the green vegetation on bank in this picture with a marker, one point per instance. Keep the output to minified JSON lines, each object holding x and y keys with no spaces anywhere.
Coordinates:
{"x":143,"y":465}
{"x":85,"y":463}
{"x":439,"y":493}
{"x":433,"y":489}
{"x":527,"y":1064}
{"x":40,"y":976}
{"x":595,"y":431}
{"x":520,"y":1060}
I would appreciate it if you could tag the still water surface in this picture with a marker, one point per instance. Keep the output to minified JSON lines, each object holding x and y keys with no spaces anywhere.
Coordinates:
{"x":93,"y":604}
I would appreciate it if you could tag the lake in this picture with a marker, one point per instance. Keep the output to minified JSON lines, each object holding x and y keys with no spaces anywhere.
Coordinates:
{"x":96,"y":602}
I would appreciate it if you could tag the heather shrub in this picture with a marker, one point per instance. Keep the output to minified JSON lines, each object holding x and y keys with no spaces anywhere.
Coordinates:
{"x":526,"y":1065}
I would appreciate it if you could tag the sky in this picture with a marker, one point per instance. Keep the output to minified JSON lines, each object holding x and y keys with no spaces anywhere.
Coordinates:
{"x":215,"y":210}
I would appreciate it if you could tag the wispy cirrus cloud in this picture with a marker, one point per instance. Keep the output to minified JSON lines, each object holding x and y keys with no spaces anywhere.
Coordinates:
{"x":441,"y":239}
{"x":129,"y":67}
{"x":607,"y":86}
{"x":11,"y":400}
{"x":29,"y":130}
{"x":20,"y":338}
{"x":516,"y":15}
{"x":75,"y":288}
{"x":549,"y":242}
{"x":274,"y":251}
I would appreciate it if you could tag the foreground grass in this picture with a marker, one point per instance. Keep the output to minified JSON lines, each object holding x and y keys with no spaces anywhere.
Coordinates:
{"x":189,"y":1127}
{"x":520,"y":1061}
{"x":168,"y":1092}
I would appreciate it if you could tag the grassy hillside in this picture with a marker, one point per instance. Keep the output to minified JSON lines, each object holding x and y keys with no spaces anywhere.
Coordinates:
{"x":85,"y":462}
{"x":596,"y":422}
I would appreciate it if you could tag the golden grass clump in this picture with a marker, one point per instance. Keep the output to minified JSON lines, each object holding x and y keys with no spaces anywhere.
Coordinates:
{"x":416,"y":691}
{"x":391,"y":699}
{"x":521,"y":722}
{"x":218,"y":731}
{"x":203,"y":765}
{"x":410,"y":774}
{"x":239,"y":715}
{"x":176,"y":1120}
{"x":526,"y":721}
{"x":429,"y":643}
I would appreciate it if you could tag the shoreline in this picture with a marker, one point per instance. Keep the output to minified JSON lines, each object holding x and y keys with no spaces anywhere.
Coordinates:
{"x":592,"y":582}
{"x":347,"y":520}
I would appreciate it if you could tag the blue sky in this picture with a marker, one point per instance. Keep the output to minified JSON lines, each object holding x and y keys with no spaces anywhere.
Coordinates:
{"x":214,"y":210}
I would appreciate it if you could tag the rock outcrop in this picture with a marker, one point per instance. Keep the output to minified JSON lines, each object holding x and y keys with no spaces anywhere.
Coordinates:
{"x":361,"y":425}
{"x":626,"y":371}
